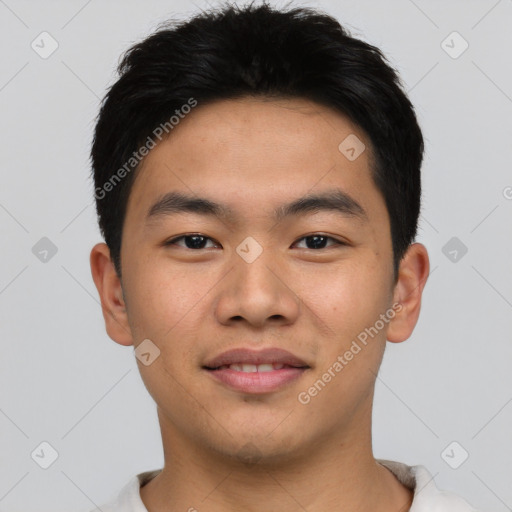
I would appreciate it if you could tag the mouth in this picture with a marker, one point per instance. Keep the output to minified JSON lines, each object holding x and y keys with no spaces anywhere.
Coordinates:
{"x":252,"y":368}
{"x":255,"y":372}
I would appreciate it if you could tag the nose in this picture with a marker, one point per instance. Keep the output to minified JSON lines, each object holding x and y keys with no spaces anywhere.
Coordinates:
{"x":258,"y":292}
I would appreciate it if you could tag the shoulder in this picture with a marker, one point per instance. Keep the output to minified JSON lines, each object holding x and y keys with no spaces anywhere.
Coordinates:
{"x":427,"y":496}
{"x":128,"y":499}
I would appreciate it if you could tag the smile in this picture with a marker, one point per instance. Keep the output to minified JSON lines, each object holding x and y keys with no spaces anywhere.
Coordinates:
{"x":251,"y":368}
{"x":256,"y":379}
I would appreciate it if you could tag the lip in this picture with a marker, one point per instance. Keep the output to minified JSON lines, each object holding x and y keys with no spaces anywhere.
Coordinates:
{"x":256,"y":382}
{"x":248,"y":356}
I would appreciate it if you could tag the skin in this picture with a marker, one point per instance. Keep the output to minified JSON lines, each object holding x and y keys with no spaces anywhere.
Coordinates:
{"x":226,"y":450}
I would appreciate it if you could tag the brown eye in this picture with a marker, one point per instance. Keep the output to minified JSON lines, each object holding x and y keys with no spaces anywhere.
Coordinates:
{"x":318,"y":241}
{"x":193,"y":241}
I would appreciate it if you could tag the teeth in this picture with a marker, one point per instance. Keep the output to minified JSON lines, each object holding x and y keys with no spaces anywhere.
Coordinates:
{"x":267,"y":367}
{"x":251,"y":368}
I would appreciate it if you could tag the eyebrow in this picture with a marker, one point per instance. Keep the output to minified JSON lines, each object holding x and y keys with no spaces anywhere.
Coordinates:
{"x":333,"y":200}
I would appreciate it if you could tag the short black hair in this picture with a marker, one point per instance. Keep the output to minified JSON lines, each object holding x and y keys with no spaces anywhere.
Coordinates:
{"x":233,"y":52}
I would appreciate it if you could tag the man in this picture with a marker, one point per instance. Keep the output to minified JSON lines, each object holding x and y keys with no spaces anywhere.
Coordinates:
{"x":257,"y":178}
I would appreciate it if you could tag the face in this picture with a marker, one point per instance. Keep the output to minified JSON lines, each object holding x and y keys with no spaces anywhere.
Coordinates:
{"x":257,"y":275}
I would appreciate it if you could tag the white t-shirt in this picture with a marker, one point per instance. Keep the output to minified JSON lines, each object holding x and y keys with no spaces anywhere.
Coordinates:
{"x":427,"y":497}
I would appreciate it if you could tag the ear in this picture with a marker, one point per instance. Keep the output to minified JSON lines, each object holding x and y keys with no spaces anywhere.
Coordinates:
{"x":412,"y":277}
{"x":111,"y":295}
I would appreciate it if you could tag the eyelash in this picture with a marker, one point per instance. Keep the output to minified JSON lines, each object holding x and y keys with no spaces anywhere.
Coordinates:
{"x":337,"y":242}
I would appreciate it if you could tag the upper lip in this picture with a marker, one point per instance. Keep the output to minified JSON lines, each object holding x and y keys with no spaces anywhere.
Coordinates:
{"x":248,"y":356}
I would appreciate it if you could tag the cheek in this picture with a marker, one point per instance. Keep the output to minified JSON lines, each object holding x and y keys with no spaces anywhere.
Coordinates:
{"x":167,"y":308}
{"x":163,"y":299}
{"x":163,"y":309}
{"x":350,"y":304}
{"x":348,"y":297}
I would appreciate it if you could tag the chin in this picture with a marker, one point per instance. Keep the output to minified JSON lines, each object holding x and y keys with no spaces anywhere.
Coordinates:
{"x":262,"y":447}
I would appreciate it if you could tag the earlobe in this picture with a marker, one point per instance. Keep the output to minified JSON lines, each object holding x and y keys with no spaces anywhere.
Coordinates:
{"x":412,"y":277}
{"x":110,"y":291}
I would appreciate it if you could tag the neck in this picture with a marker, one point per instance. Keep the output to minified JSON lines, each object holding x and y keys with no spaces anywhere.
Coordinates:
{"x":337,"y":472}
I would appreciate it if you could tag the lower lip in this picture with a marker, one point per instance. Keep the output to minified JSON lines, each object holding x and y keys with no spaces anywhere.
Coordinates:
{"x":257,"y":382}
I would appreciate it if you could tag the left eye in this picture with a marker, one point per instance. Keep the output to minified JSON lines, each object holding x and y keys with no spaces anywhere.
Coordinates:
{"x":198,"y":241}
{"x":319,"y":241}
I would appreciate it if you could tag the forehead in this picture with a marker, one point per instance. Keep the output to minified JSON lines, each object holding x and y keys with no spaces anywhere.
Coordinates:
{"x":252,"y":153}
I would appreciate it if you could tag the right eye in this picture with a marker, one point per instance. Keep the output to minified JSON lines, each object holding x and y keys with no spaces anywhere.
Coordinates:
{"x":193,"y":241}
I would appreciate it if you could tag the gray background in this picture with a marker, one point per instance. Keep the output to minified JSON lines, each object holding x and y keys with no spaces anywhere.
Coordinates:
{"x":63,"y":381}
